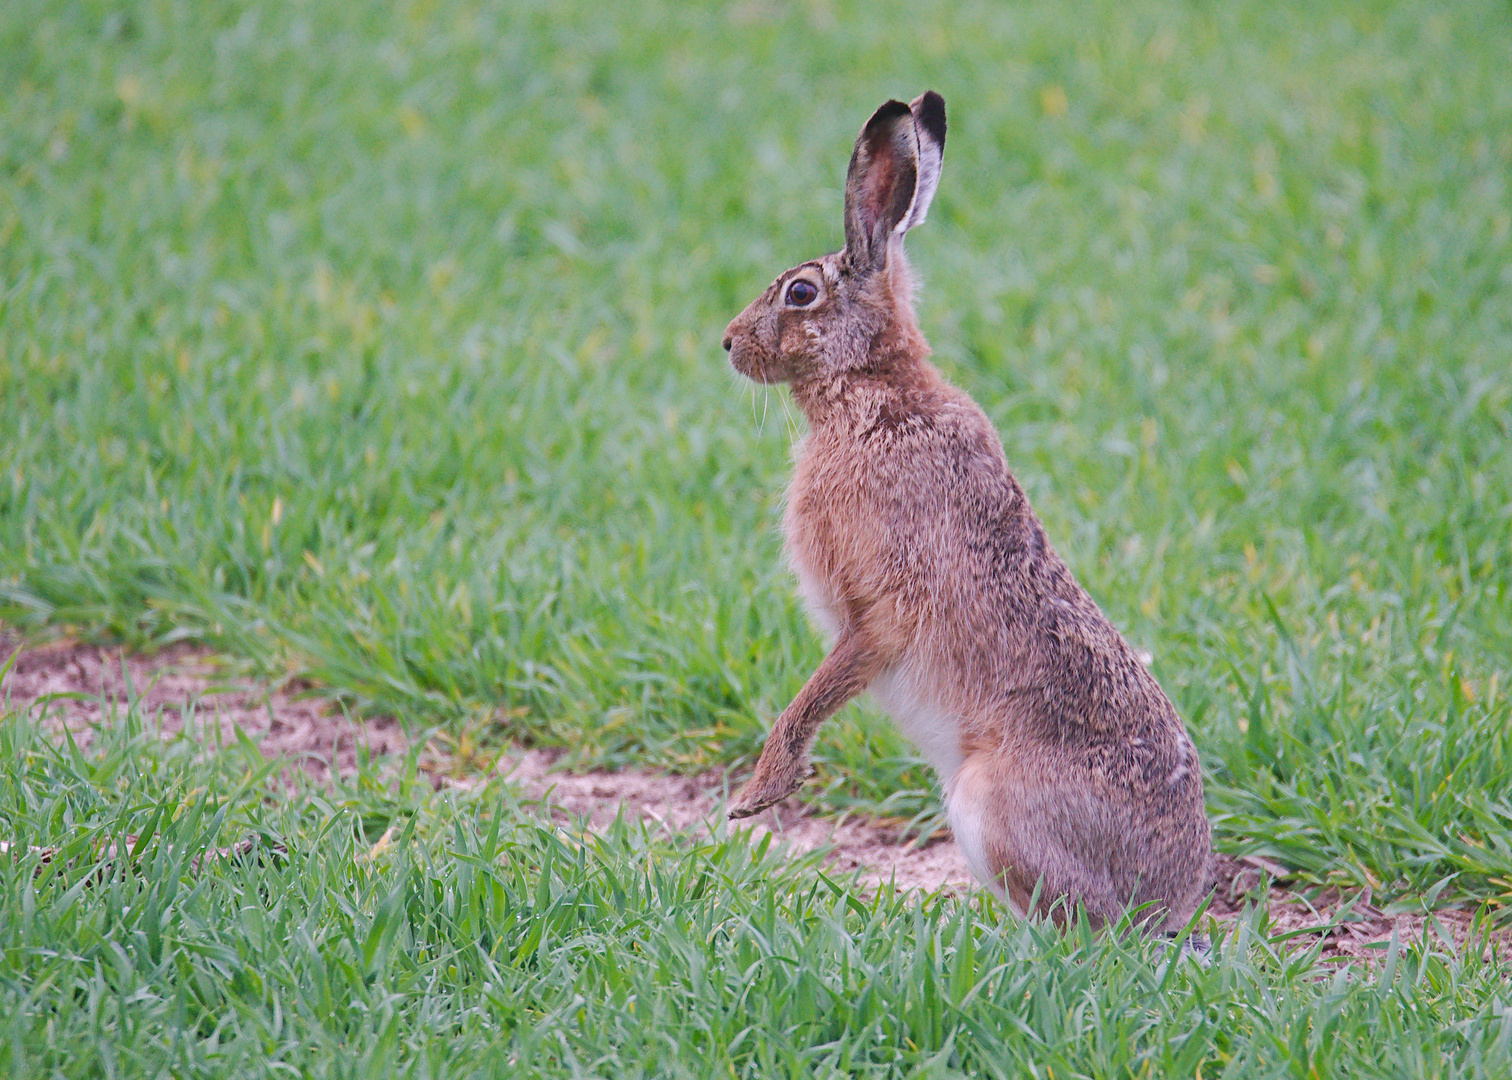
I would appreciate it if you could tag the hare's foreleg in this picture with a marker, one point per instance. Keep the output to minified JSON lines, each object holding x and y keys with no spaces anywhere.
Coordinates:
{"x":849,"y":668}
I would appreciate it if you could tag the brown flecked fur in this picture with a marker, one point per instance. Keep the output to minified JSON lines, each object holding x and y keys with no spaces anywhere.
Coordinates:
{"x":1065,"y":767}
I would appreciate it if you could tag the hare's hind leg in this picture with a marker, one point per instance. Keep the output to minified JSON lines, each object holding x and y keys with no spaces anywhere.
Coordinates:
{"x":967,"y":812}
{"x":1017,"y":833}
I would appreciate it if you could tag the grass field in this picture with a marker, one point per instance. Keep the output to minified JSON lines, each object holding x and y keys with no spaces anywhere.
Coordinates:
{"x":379,"y":343}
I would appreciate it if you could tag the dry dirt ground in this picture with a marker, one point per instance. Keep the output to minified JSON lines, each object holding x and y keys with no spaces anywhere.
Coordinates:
{"x":79,"y":687}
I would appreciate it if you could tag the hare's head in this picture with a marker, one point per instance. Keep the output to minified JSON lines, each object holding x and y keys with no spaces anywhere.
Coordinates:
{"x":848,"y":311}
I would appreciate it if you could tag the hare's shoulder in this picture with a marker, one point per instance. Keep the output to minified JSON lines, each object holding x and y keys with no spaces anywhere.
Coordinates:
{"x":896,"y":445}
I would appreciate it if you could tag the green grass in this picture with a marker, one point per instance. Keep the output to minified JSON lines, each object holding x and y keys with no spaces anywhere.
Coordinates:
{"x":485,"y":941}
{"x":379,"y":343}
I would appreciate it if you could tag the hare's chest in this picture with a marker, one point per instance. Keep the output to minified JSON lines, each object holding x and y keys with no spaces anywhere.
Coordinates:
{"x":818,"y":599}
{"x":821,"y":527}
{"x":813,"y":564}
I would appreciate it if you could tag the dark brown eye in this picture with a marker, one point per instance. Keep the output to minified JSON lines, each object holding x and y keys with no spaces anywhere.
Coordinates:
{"x":802,"y":293}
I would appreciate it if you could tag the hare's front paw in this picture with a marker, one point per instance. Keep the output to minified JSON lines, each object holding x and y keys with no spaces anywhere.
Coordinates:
{"x":767,"y":787}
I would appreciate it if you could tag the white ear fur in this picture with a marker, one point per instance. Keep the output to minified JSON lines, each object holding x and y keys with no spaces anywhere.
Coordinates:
{"x":893,"y":174}
{"x":929,"y":129}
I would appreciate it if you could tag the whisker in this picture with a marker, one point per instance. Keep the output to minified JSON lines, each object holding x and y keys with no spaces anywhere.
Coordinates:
{"x":792,"y":423}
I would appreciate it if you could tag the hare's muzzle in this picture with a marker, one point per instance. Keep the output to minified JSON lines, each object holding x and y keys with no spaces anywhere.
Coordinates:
{"x":748,"y":352}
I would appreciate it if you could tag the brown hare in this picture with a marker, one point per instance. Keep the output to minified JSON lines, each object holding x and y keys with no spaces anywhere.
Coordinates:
{"x":1067,"y":772}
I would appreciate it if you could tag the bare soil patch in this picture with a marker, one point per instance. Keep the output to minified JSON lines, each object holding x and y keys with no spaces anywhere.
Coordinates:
{"x":80,"y":687}
{"x":873,"y":851}
{"x":1346,"y":925}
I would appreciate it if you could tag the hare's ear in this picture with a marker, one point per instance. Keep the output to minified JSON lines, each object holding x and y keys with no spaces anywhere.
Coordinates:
{"x":879,"y":188}
{"x":893,"y":174}
{"x":929,"y":122}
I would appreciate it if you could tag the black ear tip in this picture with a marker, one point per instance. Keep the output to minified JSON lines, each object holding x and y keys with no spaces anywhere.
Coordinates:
{"x":886,"y":113}
{"x":929,"y":112}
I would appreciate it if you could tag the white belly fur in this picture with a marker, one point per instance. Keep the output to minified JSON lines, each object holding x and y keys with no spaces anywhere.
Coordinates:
{"x":964,"y":815}
{"x":935,"y":732}
{"x":901,"y":695}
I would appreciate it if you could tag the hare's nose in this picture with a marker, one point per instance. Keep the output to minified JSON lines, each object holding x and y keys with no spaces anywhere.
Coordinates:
{"x":727,"y":342}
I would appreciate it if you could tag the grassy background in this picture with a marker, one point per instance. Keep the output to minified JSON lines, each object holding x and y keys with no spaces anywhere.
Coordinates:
{"x":380,"y":344}
{"x":482,"y":941}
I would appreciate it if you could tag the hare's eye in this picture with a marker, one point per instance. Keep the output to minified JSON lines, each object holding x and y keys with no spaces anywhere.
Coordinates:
{"x":802,"y":293}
